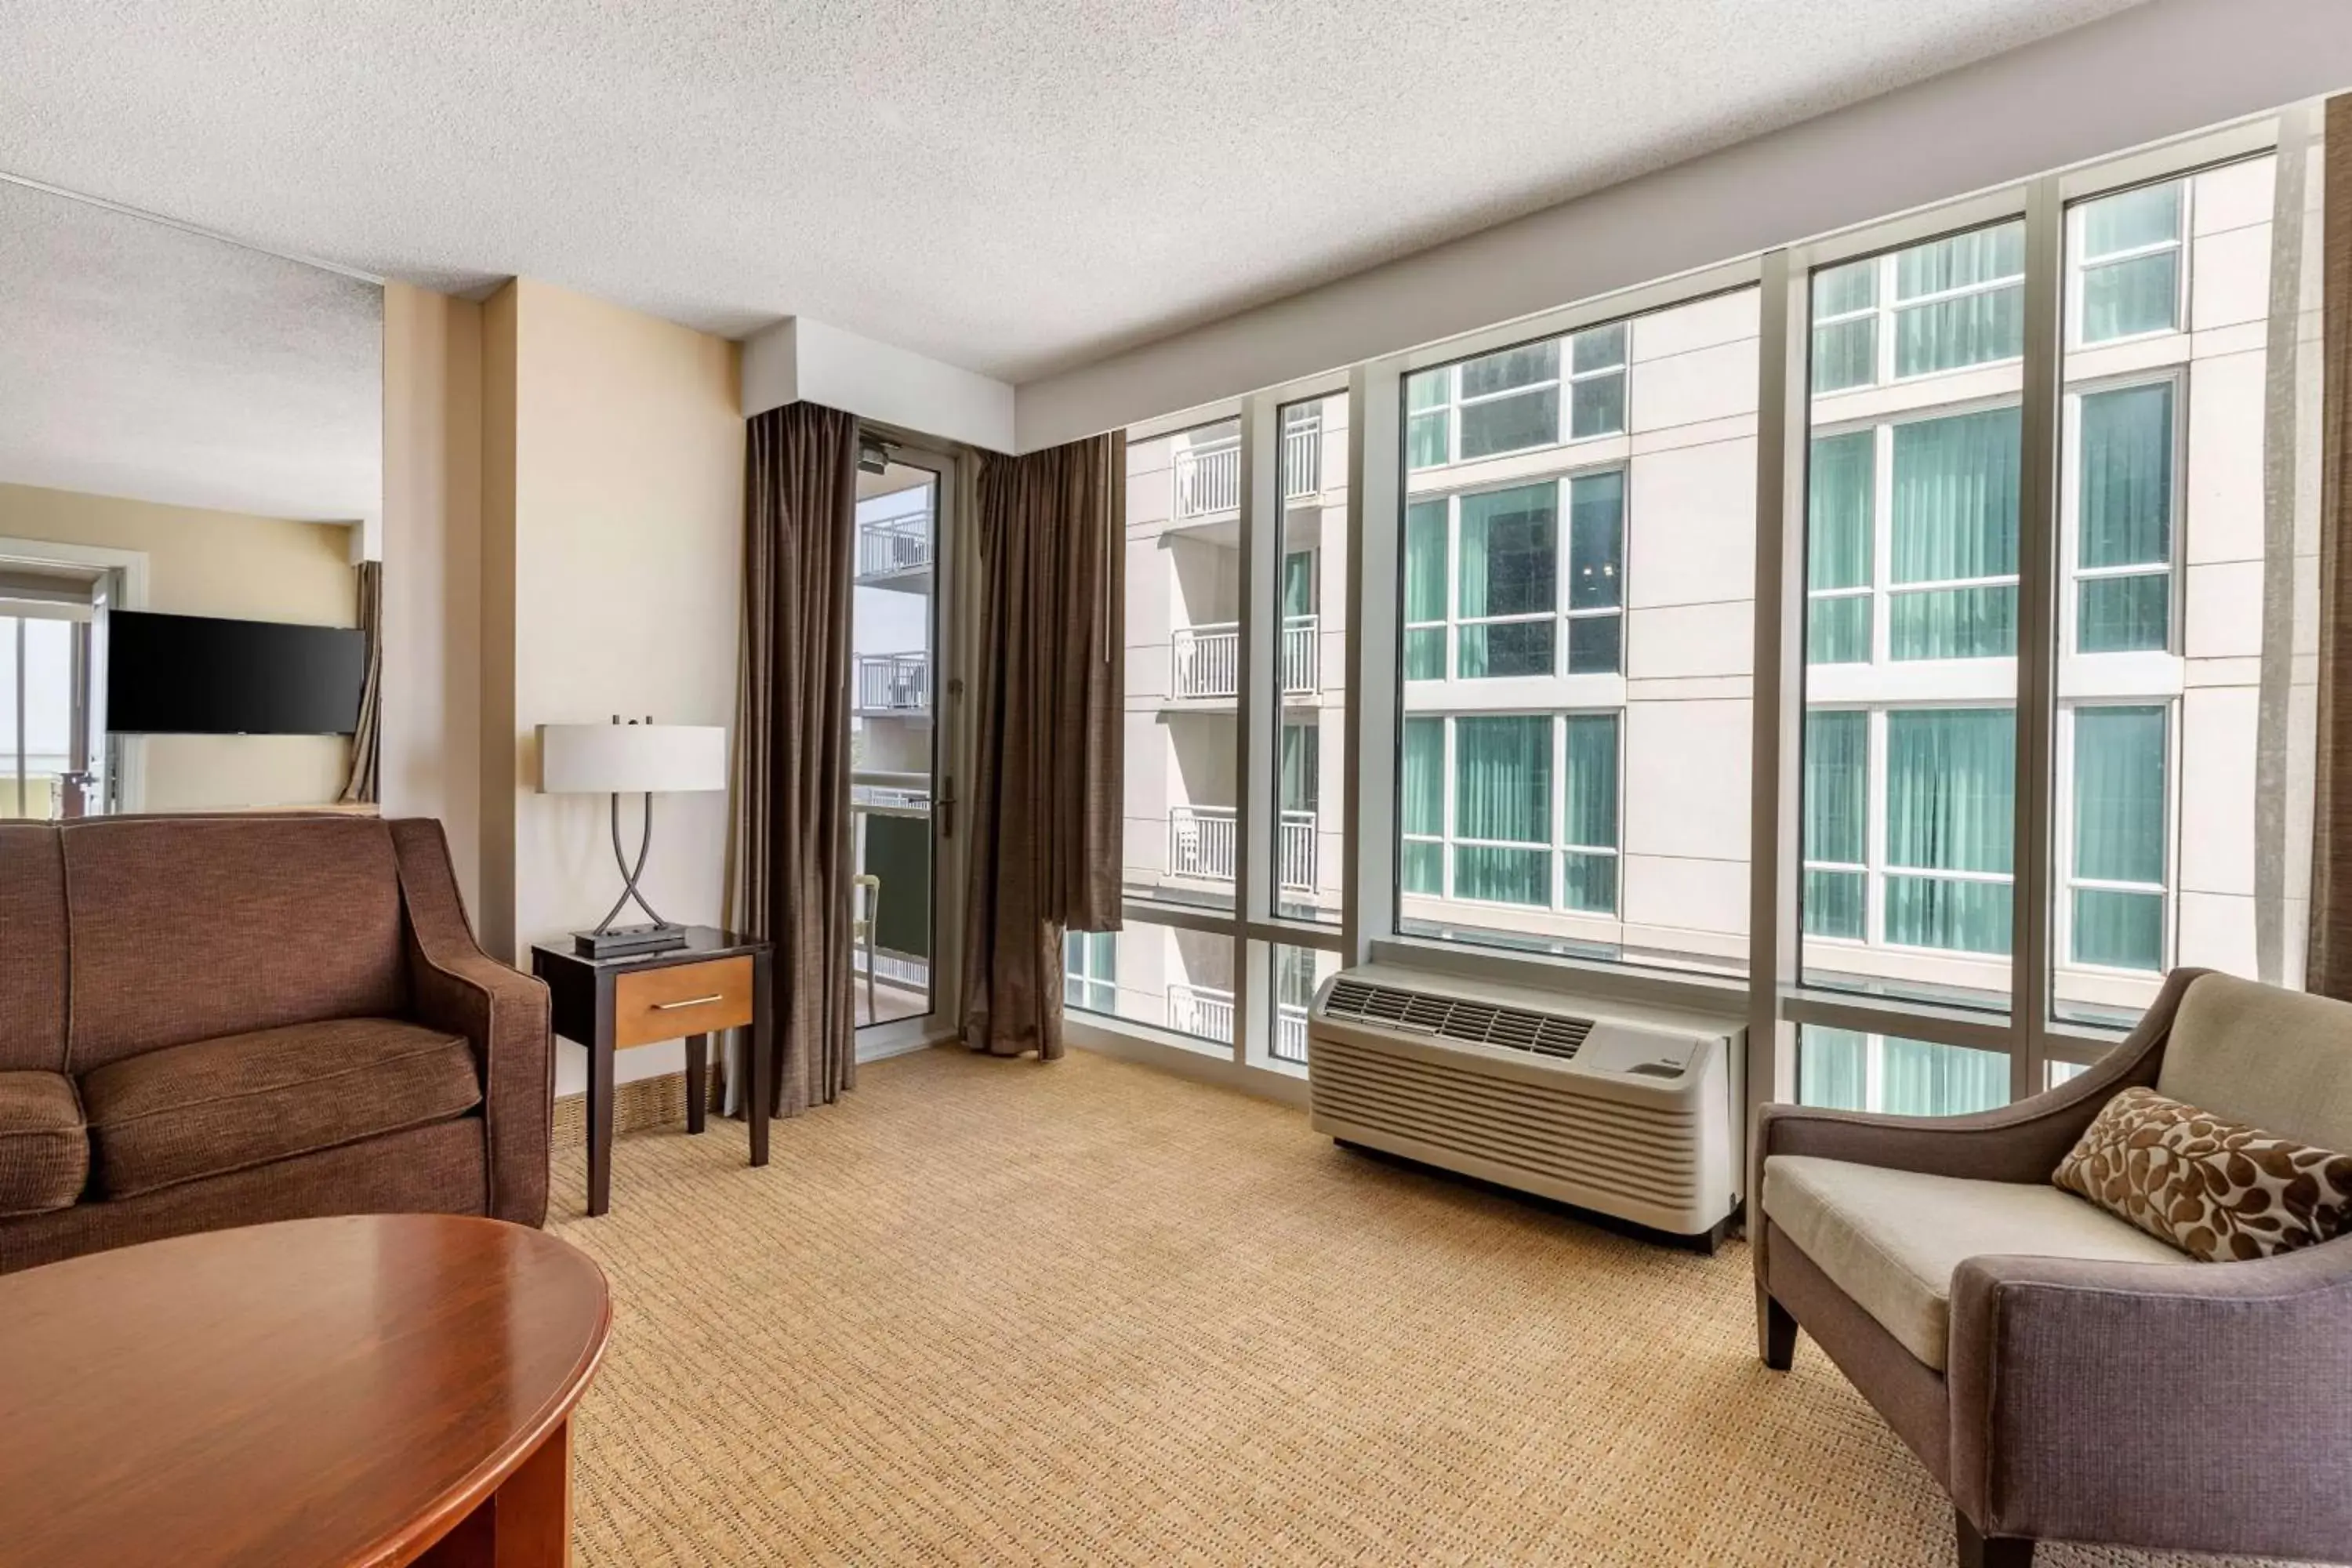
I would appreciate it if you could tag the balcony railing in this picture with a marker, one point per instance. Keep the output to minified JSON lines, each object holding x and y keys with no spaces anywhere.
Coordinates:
{"x":894,"y":683}
{"x":1208,"y":481}
{"x":1298,"y":852}
{"x":1302,"y":457}
{"x":1201,"y":842}
{"x":1289,"y":1032}
{"x":1302,"y":655}
{"x":1199,"y":1011}
{"x":890,"y":793}
{"x":1208,"y":659}
{"x":893,"y":544}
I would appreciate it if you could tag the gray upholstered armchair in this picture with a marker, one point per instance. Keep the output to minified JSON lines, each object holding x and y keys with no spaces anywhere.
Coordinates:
{"x":2065,"y":1375}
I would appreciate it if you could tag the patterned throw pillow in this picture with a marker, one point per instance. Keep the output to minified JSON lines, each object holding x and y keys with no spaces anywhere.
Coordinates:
{"x":2217,"y":1189}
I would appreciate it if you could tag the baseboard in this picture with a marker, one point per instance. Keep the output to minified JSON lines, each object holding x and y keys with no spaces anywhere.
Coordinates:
{"x":638,"y":1105}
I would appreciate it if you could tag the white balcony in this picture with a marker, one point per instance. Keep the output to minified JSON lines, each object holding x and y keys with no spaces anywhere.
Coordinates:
{"x":1302,"y":455}
{"x":1289,"y":1034}
{"x":1298,"y":852}
{"x":896,"y":551}
{"x":897,"y":683}
{"x":1203,"y":841}
{"x":1208,"y":659}
{"x":1201,"y":1011}
{"x":1302,"y":655}
{"x":1208,"y":481}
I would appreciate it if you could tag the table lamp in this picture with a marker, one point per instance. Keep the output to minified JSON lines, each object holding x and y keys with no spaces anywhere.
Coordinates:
{"x":632,"y":758}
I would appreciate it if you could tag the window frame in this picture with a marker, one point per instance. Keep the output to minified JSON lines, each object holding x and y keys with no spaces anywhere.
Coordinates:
{"x":2082,"y":264}
{"x":1768,"y":999}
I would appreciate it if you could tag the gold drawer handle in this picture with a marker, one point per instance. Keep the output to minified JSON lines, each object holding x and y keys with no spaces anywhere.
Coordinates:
{"x":689,"y":1002}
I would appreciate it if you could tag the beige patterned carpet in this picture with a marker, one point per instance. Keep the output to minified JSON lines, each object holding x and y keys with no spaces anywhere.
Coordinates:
{"x":989,"y":1311}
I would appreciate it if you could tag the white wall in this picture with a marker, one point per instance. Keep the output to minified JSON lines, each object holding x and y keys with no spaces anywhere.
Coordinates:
{"x":627,"y":518}
{"x":431,"y":704}
{"x":2156,"y":70}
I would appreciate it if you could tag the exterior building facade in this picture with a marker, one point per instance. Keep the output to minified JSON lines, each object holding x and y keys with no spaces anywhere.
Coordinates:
{"x":1576,"y":606}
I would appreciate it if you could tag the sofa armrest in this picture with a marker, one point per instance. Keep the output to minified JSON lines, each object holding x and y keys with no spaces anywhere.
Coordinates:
{"x":455,"y":985}
{"x":2197,"y":1406}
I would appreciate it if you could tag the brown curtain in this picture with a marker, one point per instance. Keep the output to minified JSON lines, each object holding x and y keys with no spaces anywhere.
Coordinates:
{"x":2328,"y":969}
{"x":1050,"y":689}
{"x":367,"y":744}
{"x":792,"y":755}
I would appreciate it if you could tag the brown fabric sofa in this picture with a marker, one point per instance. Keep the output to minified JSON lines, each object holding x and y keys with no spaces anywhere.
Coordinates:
{"x":217,"y":1021}
{"x":2063,"y":1375}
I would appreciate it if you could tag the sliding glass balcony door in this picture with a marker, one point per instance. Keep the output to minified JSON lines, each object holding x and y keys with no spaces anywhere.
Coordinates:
{"x":897,"y":799}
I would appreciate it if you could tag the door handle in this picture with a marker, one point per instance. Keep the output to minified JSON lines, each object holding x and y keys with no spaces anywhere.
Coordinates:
{"x":689,"y":1002}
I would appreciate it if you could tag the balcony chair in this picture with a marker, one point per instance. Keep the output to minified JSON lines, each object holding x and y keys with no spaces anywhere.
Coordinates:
{"x":2062,"y":1374}
{"x":866,"y":902}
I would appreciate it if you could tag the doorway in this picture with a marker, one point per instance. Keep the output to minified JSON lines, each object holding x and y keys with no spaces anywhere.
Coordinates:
{"x":901,"y":802}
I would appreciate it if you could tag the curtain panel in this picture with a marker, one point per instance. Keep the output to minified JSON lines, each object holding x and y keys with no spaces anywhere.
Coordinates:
{"x":363,"y":782}
{"x":1051,"y":687}
{"x":2328,"y":959}
{"x":792,"y":752}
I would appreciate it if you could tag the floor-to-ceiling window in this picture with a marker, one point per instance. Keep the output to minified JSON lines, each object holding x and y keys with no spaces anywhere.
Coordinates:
{"x":2040,"y":557}
{"x":1574,"y":601}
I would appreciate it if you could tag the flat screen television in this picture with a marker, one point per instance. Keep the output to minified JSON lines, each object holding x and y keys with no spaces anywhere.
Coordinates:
{"x":199,"y":675}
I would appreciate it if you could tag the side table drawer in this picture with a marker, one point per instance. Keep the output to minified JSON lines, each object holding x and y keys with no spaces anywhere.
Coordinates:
{"x":681,"y":999}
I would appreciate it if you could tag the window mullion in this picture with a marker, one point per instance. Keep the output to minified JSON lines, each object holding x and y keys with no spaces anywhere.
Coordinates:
{"x":2032,"y":859}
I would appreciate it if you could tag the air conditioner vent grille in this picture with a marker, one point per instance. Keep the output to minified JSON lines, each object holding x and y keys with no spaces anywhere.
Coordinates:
{"x":1422,"y":1012}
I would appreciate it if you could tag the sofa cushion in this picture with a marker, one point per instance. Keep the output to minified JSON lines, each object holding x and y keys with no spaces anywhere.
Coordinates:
{"x":2280,"y":1060}
{"x":188,"y":927}
{"x":2219,"y":1190}
{"x":44,"y":1147}
{"x":220,"y":1105}
{"x":33,"y":948}
{"x":1891,"y":1239}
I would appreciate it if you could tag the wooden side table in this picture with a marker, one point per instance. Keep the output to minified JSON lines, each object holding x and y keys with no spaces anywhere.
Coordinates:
{"x":716,"y":981}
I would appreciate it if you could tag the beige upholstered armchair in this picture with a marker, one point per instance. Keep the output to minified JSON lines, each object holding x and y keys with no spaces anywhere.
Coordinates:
{"x":2065,"y":1375}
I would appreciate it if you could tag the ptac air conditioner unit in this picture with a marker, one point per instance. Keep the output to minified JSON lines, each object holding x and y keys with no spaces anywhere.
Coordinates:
{"x":1633,"y":1112}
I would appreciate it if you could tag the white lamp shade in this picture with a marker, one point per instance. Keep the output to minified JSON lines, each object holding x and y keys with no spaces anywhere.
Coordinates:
{"x":624,"y":759}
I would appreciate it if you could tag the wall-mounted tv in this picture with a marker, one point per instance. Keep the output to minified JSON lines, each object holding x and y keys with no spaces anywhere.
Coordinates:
{"x":197,"y":675}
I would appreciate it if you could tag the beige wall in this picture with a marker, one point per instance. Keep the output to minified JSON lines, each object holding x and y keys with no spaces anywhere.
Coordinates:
{"x":215,"y":564}
{"x":432,"y":710}
{"x":616,"y":511}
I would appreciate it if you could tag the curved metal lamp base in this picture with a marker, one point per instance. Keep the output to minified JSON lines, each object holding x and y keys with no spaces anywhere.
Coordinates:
{"x":608,"y":939}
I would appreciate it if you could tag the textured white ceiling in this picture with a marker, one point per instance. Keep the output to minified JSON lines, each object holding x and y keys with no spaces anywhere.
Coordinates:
{"x":1014,"y":186}
{"x":140,"y":360}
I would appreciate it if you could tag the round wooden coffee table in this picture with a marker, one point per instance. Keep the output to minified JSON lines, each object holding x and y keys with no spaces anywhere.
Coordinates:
{"x":323,"y":1392}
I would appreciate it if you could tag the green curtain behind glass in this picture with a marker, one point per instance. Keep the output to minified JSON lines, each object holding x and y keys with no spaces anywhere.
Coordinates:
{"x":1950,"y":807}
{"x":1509,"y":553}
{"x":1421,"y":866}
{"x":2119,"y":794}
{"x":2127,"y":476}
{"x":1424,"y":589}
{"x":1831,"y":1069}
{"x":1956,"y":484}
{"x":1425,"y":776}
{"x":1302,"y":746}
{"x":1955,"y":487}
{"x":1920,"y":1078}
{"x":1298,"y":583}
{"x":1592,"y":780}
{"x":1596,"y":540}
{"x":1837,"y":791}
{"x":1951,"y":788}
{"x":1502,"y":790}
{"x":1837,"y":510}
